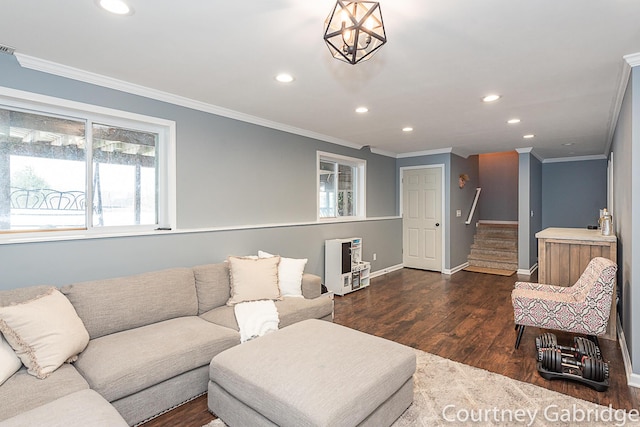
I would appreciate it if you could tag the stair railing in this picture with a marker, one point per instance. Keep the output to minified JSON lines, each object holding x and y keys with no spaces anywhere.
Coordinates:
{"x":473,"y":206}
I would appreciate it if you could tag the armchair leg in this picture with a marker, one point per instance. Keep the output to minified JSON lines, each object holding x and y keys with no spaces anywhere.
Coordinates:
{"x":520,"y":329}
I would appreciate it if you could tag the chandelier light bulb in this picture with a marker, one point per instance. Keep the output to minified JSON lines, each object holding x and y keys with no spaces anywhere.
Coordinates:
{"x":369,"y":24}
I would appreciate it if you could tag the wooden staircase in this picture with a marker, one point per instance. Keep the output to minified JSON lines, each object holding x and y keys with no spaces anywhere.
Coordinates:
{"x":495,"y":246}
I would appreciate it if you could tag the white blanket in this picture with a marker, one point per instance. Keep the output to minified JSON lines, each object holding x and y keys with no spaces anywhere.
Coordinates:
{"x":256,"y":318}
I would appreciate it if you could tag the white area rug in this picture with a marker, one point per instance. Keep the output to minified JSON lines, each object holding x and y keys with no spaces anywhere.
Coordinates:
{"x":448,"y":393}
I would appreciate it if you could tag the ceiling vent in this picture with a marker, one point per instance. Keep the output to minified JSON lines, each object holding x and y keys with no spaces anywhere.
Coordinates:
{"x":6,"y":49}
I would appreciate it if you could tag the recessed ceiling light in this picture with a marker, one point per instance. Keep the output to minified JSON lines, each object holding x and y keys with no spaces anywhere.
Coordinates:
{"x":490,"y":98}
{"x":513,"y":121}
{"x":407,"y":129}
{"x":362,"y":110}
{"x":284,"y":78}
{"x":568,"y":144}
{"x":118,"y":7}
{"x":528,"y":136}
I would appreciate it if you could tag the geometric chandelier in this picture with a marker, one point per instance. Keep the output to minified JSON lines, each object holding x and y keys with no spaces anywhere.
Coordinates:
{"x":354,"y":30}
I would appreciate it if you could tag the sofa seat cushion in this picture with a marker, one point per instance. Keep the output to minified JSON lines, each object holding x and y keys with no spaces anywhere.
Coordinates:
{"x":23,"y":392}
{"x":82,"y":408}
{"x":290,"y":310}
{"x":294,"y":309}
{"x":126,"y":362}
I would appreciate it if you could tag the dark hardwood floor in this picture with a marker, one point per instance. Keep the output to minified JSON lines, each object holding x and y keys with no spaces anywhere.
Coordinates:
{"x":466,"y":317}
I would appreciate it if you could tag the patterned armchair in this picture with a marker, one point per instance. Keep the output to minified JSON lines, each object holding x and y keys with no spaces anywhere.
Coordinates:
{"x":583,"y":308}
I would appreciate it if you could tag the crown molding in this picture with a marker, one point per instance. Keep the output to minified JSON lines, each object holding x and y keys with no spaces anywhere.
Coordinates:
{"x":575,"y":159}
{"x":524,"y":150}
{"x":628,"y":62}
{"x":531,"y":151}
{"x":57,"y":69}
{"x":375,"y":150}
{"x":425,"y":153}
{"x":633,"y":59}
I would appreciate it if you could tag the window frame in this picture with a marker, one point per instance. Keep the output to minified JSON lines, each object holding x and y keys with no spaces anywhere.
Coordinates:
{"x":93,"y":114}
{"x":359,"y":183}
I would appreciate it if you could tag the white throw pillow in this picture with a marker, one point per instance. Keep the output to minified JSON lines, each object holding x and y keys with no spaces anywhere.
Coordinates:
{"x":290,"y":273}
{"x":45,"y":332}
{"x":9,"y":362}
{"x":253,"y":279}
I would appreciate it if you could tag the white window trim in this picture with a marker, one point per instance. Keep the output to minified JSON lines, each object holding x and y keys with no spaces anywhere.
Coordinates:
{"x":14,"y":98}
{"x":361,"y":185}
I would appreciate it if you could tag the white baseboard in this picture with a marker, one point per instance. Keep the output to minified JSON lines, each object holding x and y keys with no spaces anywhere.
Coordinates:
{"x":385,"y":270}
{"x":529,"y":272}
{"x":633,"y":380}
{"x":450,"y":271}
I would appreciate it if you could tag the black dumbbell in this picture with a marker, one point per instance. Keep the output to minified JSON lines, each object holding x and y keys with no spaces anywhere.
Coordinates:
{"x":590,"y":368}
{"x":582,"y":346}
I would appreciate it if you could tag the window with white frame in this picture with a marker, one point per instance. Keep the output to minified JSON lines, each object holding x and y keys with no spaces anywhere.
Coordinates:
{"x":82,"y":169}
{"x":341,"y":186}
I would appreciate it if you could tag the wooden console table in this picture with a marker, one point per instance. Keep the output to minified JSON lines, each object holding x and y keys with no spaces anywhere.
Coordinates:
{"x":563,"y":255}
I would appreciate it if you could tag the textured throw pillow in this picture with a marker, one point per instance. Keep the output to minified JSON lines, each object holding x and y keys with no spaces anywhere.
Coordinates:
{"x":45,"y":332}
{"x":253,"y":279}
{"x":290,"y":273}
{"x":9,"y":362}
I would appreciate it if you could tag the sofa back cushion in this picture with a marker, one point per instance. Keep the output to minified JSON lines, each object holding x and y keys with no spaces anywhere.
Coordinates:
{"x":114,"y":305}
{"x":212,"y":285}
{"x":20,"y":295}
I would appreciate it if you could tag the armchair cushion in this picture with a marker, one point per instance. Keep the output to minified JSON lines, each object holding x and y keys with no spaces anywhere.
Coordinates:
{"x":583,"y":308}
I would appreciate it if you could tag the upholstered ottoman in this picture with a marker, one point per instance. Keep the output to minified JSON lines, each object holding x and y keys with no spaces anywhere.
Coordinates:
{"x":312,"y":373}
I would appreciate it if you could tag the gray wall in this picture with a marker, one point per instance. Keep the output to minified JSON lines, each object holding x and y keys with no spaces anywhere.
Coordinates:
{"x":58,"y":263}
{"x":626,"y":197}
{"x":536,"y":175}
{"x":499,"y":182}
{"x":462,"y":199}
{"x":529,"y":200}
{"x":230,"y":174}
{"x":574,"y":192}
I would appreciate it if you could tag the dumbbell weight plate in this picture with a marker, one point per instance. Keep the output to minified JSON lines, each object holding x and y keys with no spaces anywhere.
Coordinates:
{"x":587,"y":347}
{"x":551,"y":359}
{"x":594,"y":369}
{"x":546,"y":340}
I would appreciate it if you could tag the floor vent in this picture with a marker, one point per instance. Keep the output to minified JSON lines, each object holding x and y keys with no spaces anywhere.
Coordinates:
{"x":6,"y":49}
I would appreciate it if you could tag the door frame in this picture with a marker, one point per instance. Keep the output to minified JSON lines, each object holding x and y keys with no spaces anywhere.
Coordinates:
{"x":444,"y":221}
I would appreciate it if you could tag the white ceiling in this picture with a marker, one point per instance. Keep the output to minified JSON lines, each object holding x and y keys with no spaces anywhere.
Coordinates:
{"x":558,"y":65}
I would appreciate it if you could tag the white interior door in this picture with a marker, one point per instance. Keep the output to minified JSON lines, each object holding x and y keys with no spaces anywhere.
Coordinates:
{"x":422,"y":218}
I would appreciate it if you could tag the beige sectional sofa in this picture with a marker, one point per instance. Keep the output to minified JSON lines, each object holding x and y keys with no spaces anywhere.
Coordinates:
{"x":152,"y":337}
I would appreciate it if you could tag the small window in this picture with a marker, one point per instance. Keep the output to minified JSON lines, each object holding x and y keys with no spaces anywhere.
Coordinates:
{"x":341,"y":186}
{"x":77,"y":170}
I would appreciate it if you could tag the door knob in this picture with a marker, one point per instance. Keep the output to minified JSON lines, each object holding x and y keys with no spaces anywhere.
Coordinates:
{"x":437,"y":224}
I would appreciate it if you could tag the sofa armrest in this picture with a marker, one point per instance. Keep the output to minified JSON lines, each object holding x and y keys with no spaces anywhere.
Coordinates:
{"x":311,"y":286}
